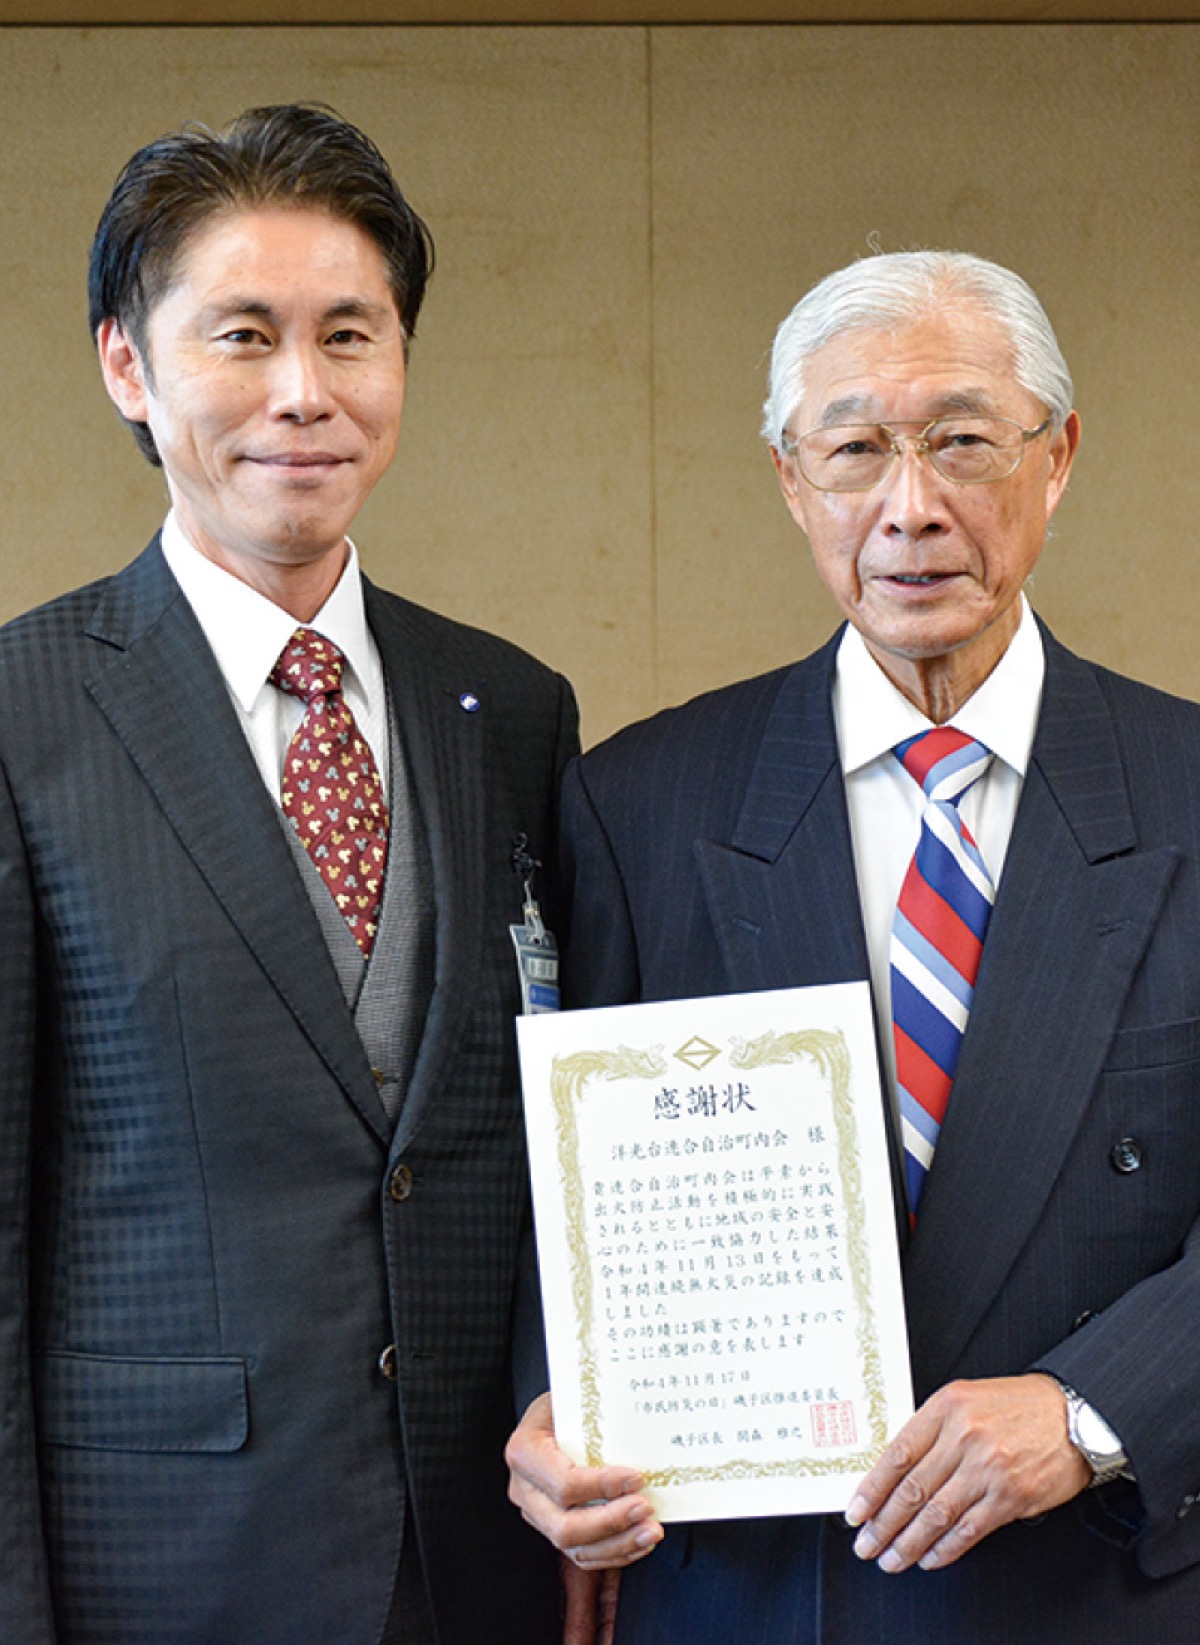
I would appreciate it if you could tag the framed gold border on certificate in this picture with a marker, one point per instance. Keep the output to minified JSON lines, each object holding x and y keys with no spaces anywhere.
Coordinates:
{"x":717,"y":1245}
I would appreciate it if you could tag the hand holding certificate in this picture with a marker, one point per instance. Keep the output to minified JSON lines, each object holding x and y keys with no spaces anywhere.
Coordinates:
{"x":717,"y":1244}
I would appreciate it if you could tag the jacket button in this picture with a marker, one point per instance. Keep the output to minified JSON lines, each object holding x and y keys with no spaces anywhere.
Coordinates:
{"x":400,"y":1184}
{"x":1080,"y":1320}
{"x":1186,"y":1506}
{"x":388,"y":1363}
{"x":1126,"y":1155}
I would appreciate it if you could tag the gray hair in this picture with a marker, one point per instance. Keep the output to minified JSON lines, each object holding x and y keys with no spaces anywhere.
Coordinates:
{"x":897,"y":288}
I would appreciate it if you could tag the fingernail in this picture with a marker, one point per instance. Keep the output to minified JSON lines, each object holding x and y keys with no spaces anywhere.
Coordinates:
{"x":857,"y":1511}
{"x":646,"y":1538}
{"x":865,"y":1545}
{"x":891,"y":1562}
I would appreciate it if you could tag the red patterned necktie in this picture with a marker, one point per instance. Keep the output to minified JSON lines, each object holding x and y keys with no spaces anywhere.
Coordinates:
{"x":937,"y":940}
{"x":332,"y":794}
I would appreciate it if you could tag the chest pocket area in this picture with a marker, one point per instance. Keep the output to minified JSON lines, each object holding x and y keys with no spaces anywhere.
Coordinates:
{"x":1159,"y":1046}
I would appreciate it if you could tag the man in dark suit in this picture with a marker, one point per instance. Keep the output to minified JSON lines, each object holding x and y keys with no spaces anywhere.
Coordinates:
{"x":921,"y":425}
{"x":262,"y":1179}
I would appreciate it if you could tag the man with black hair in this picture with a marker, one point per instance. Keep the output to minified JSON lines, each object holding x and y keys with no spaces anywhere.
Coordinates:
{"x":262,"y":1180}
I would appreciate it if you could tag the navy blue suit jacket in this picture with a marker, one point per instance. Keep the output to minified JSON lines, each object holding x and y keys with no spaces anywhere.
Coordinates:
{"x":708,"y":851}
{"x":201,"y":1259}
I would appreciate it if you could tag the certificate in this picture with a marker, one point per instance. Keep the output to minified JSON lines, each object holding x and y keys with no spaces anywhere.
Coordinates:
{"x":717,"y":1243}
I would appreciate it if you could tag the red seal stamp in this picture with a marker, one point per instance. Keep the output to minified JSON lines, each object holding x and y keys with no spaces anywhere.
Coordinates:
{"x":833,"y":1423}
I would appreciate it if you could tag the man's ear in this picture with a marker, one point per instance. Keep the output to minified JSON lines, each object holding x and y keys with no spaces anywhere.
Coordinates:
{"x":123,"y":370}
{"x":1062,"y":454}
{"x":793,"y":491}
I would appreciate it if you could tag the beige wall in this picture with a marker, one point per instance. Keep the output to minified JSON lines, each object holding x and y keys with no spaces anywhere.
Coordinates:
{"x":103,"y":12}
{"x":622,"y":217}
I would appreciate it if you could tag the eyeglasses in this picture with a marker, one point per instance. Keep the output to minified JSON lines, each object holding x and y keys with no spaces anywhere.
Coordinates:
{"x":970,"y":451}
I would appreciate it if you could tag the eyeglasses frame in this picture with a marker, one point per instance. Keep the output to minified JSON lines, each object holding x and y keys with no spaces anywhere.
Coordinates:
{"x":919,"y":444}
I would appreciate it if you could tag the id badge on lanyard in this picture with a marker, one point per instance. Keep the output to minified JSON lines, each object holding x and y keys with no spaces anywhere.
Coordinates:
{"x":536,"y":949}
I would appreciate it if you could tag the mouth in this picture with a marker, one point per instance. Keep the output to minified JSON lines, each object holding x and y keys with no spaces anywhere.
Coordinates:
{"x":919,"y":579}
{"x":299,"y":461}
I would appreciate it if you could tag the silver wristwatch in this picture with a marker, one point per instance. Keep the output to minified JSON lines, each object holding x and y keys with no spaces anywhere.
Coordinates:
{"x":1094,"y":1439}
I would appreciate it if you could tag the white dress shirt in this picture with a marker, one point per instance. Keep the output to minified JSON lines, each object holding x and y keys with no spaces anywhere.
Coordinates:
{"x":247,"y":632}
{"x":885,"y":803}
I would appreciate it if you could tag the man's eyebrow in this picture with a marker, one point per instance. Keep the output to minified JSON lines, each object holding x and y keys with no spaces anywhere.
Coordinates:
{"x":850,"y":408}
{"x":972,"y":401}
{"x":358,"y":308}
{"x":225,"y":307}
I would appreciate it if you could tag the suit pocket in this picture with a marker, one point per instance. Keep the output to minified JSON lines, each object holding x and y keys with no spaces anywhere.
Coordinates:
{"x":1154,"y":1047}
{"x":102,"y":1402}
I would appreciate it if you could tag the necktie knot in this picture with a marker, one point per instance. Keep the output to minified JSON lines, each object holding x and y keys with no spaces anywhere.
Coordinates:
{"x":944,"y":761}
{"x":309,"y":666}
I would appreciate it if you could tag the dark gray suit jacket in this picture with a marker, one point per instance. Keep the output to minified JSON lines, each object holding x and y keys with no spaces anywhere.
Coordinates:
{"x":205,"y":1240}
{"x":708,"y":851}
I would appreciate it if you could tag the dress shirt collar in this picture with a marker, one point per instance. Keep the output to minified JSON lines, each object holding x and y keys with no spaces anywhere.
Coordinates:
{"x":247,"y":631}
{"x":872,"y":716}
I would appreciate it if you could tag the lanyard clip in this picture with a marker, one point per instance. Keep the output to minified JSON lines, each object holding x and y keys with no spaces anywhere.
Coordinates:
{"x":536,"y":949}
{"x":526,"y":866}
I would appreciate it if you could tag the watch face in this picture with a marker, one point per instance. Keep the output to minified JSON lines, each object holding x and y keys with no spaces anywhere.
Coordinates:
{"x":1096,"y":1439}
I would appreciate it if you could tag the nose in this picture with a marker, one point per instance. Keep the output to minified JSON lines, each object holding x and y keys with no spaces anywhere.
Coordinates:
{"x":300,"y":390}
{"x":914,"y":498}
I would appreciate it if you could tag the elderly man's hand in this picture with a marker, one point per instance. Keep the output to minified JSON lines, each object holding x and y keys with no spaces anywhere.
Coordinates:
{"x":974,"y":1457}
{"x":595,"y":1516}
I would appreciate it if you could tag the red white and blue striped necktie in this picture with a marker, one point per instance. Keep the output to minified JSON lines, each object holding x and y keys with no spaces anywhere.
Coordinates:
{"x":937,"y":940}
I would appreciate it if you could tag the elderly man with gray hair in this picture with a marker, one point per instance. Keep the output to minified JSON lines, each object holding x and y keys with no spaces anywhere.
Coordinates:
{"x":1004,"y":840}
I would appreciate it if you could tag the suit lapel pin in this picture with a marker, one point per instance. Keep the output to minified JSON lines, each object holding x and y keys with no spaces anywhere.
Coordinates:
{"x":469,"y":702}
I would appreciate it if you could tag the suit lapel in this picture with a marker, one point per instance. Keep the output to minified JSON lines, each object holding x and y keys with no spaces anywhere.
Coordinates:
{"x":153,"y":668}
{"x":444,"y":744}
{"x":1075,"y":909}
{"x":779,"y":893}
